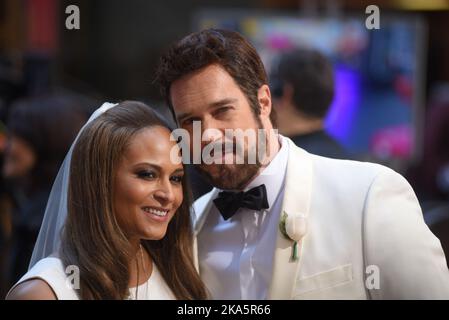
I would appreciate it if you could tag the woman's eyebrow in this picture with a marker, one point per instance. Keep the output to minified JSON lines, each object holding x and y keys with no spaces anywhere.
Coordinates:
{"x":155,"y":166}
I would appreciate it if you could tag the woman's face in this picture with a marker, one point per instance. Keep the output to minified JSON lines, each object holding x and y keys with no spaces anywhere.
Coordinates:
{"x":148,"y":185}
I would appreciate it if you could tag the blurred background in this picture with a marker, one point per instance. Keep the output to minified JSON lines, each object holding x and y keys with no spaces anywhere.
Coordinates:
{"x":389,"y":101}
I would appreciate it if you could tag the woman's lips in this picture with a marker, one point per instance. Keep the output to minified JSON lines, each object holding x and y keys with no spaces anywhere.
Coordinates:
{"x":158,"y":214}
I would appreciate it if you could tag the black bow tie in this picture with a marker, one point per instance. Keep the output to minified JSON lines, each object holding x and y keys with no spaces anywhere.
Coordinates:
{"x":229,"y":202}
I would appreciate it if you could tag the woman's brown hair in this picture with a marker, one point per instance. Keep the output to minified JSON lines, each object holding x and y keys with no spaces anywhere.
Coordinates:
{"x":93,"y":240}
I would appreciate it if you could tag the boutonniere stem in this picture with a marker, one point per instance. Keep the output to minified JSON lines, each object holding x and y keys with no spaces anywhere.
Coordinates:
{"x":290,"y":231}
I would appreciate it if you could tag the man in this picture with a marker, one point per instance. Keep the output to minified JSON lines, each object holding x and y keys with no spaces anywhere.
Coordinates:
{"x":291,"y":225}
{"x":305,"y":89}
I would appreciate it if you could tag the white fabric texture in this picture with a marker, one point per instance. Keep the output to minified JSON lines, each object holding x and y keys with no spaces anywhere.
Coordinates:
{"x":51,"y":270}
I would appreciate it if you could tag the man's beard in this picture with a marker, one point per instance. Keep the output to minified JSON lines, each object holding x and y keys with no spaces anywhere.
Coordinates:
{"x":233,"y":176}
{"x":229,"y":176}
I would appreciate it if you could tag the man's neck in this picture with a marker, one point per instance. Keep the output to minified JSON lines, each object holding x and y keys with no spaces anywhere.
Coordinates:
{"x":274,"y":146}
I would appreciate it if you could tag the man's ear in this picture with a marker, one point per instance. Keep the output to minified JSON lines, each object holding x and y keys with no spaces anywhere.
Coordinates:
{"x":264,"y":99}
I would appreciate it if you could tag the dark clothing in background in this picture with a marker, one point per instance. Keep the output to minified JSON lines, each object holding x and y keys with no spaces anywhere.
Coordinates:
{"x":27,"y":221}
{"x":321,"y":144}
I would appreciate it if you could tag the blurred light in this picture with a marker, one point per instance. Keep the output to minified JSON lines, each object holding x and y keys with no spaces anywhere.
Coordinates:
{"x":344,"y":108}
{"x":422,"y":4}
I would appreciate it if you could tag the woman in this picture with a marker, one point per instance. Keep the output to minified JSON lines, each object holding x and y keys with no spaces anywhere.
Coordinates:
{"x":128,"y":228}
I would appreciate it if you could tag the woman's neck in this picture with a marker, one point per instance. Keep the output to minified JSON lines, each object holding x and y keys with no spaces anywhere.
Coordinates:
{"x":140,"y":265}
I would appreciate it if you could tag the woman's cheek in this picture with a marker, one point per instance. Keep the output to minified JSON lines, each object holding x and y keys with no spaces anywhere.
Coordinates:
{"x":179,"y":198}
{"x":140,"y":190}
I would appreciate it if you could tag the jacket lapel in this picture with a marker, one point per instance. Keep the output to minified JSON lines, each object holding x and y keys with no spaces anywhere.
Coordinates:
{"x":297,"y":196}
{"x":201,"y":208}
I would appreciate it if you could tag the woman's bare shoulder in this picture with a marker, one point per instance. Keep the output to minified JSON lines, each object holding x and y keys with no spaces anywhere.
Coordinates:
{"x":32,"y":289}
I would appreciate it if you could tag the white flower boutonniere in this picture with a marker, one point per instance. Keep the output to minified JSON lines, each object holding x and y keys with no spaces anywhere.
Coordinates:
{"x":293,"y":227}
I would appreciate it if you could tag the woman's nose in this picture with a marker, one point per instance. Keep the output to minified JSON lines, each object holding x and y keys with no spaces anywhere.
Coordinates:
{"x":164,"y":195}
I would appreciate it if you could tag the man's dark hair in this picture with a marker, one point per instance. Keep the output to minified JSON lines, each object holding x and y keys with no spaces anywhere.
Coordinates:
{"x":214,"y":46}
{"x":311,"y":76}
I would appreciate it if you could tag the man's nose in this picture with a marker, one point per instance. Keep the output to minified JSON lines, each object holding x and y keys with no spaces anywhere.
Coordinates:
{"x":211,"y":132}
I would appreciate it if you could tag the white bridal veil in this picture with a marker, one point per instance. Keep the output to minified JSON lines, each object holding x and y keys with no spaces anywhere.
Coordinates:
{"x":49,"y":239}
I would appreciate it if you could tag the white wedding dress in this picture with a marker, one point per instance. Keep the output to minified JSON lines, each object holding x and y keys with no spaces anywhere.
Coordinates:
{"x":51,"y":270}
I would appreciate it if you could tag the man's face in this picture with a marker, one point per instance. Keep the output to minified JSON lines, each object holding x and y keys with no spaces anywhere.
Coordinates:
{"x":211,"y":95}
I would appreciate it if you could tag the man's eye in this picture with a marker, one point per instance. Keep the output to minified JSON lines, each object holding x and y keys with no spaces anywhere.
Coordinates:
{"x":189,"y":121}
{"x":221,"y":110}
{"x":146,"y":174}
{"x":186,"y":122}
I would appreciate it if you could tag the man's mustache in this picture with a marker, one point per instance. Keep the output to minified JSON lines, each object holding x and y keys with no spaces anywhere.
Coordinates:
{"x":227,"y":147}
{"x":222,"y":148}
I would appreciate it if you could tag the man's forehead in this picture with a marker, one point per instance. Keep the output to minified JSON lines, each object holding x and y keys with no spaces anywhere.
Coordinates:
{"x":198,"y":84}
{"x":203,"y":89}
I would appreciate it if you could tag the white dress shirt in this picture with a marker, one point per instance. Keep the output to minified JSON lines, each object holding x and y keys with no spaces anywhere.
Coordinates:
{"x":236,"y":256}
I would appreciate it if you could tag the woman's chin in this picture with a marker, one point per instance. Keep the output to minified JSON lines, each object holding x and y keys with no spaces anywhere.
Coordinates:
{"x":155,"y":235}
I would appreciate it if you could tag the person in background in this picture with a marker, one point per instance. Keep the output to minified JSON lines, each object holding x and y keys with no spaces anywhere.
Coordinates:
{"x":303,"y":90}
{"x":39,"y":132}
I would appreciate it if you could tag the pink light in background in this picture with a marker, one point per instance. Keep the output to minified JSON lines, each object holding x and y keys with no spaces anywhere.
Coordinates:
{"x":394,"y":141}
{"x":42,"y":26}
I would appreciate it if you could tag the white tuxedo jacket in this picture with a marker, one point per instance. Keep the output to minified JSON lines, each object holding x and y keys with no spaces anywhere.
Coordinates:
{"x":365,"y":234}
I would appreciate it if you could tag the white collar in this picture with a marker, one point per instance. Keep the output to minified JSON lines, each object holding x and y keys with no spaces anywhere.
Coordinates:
{"x":273,"y":175}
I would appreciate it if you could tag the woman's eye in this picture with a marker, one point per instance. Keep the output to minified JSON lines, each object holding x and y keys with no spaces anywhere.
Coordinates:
{"x":146,"y":174}
{"x":176,"y":179}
